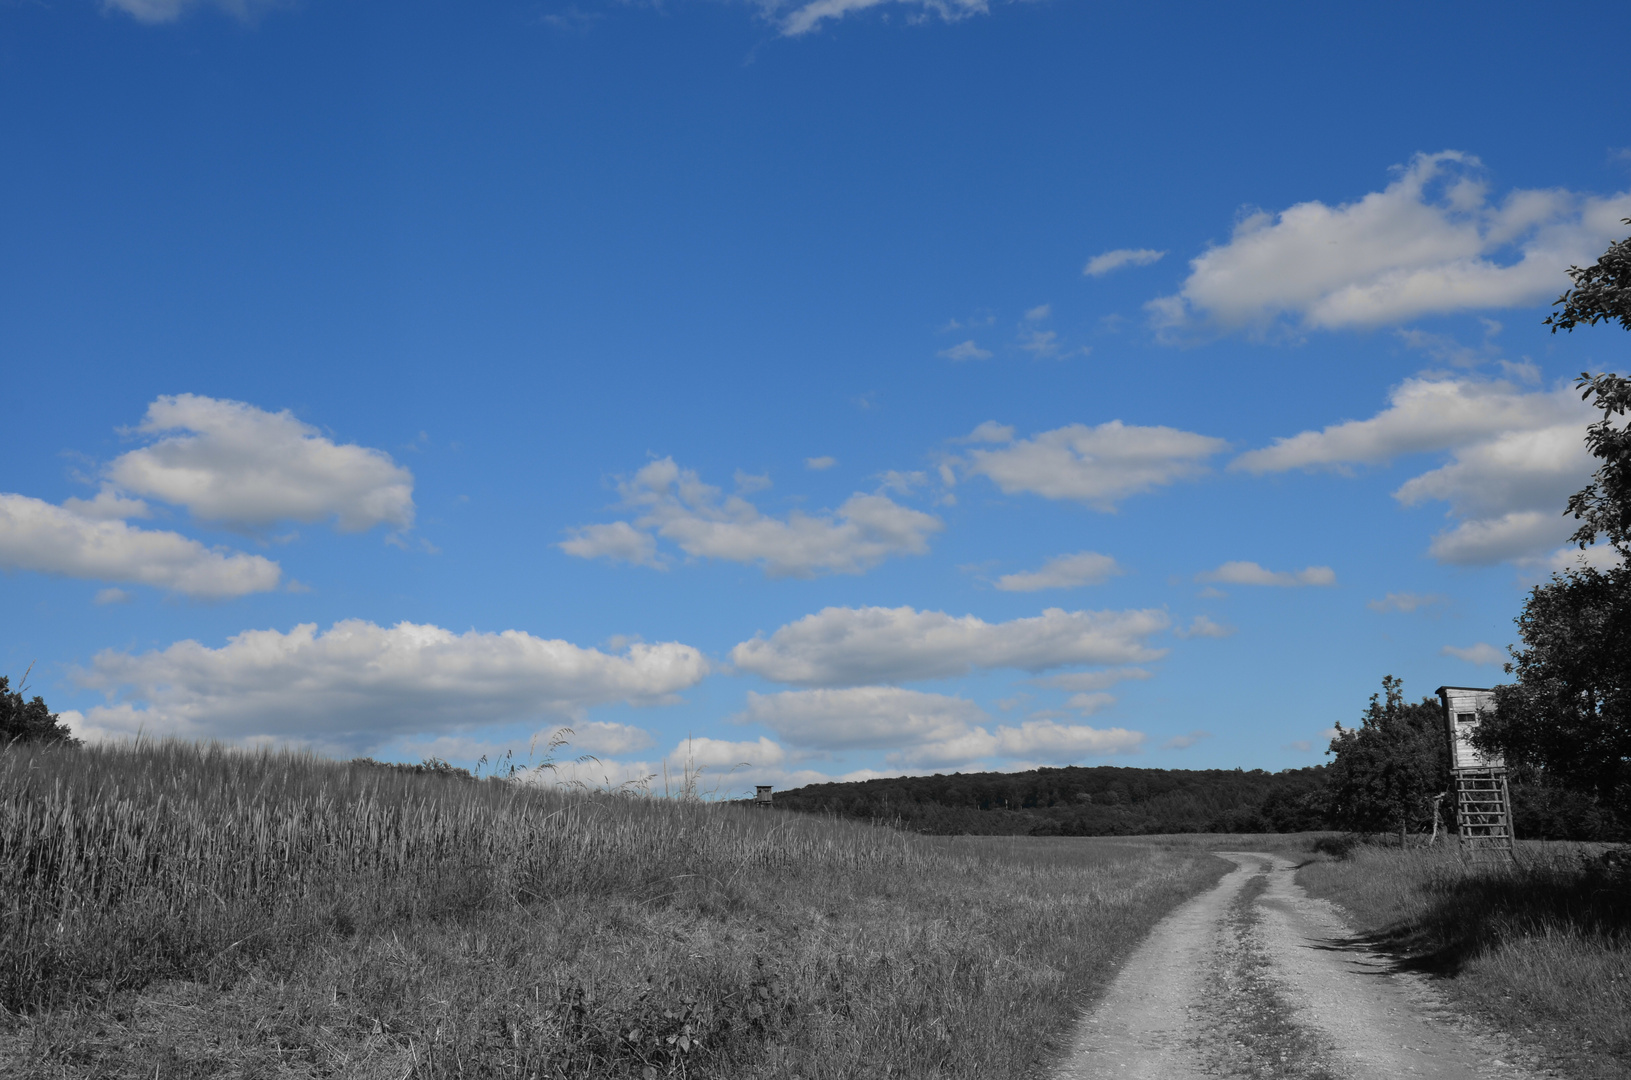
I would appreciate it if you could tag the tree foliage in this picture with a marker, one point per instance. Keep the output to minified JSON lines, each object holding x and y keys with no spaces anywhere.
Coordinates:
{"x":1601,"y":291}
{"x":1385,"y":773}
{"x":1100,"y":800}
{"x":1568,"y":717}
{"x":29,"y":721}
{"x":1603,"y":506}
{"x":1566,"y":722}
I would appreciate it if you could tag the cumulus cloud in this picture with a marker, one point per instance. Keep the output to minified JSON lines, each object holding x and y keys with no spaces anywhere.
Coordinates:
{"x":232,"y":463}
{"x":1515,"y":458}
{"x":922,"y":729}
{"x":1249,"y":573}
{"x":1482,"y":654}
{"x":1432,"y":242}
{"x":618,"y":541}
{"x":861,"y":717}
{"x":604,"y":737}
{"x":1033,"y":740}
{"x":675,"y":504}
{"x":1423,"y":414}
{"x":817,"y":464}
{"x":1405,"y":601}
{"x":848,"y":646}
{"x":38,"y":536}
{"x":1094,"y":465}
{"x":1063,"y":572}
{"x":358,"y":685}
{"x":1100,"y":265}
{"x":108,"y":505}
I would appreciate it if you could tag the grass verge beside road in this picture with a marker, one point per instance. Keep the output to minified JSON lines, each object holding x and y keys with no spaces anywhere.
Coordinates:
{"x":1541,"y":947}
{"x":186,"y":911}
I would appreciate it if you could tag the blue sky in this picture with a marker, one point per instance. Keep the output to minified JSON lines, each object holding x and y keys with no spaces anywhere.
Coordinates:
{"x":848,"y":388}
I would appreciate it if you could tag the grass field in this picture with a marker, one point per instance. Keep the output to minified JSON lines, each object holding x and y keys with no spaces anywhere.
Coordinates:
{"x":1541,"y":947}
{"x":183,"y":911}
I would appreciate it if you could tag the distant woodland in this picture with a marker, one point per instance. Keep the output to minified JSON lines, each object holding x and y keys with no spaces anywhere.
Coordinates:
{"x":1113,"y":801}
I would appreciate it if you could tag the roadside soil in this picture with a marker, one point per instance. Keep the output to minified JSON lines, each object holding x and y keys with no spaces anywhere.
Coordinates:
{"x":1258,"y":979}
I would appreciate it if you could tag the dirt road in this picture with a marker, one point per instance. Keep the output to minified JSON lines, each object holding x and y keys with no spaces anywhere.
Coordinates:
{"x":1257,"y":979}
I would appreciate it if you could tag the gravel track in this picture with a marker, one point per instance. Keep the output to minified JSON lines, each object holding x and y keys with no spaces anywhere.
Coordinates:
{"x":1258,"y":979}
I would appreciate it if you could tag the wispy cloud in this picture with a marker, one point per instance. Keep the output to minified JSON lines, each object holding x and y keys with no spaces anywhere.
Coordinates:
{"x":1100,"y":265}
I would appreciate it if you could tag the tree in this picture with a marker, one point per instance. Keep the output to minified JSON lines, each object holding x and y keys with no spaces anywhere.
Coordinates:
{"x":1387,"y":771}
{"x":1568,"y":717}
{"x":1567,"y":720}
{"x":1601,"y":291}
{"x":29,"y":721}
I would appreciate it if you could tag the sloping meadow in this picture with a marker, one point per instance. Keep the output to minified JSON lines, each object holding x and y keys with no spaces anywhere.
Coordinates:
{"x":192,"y":910}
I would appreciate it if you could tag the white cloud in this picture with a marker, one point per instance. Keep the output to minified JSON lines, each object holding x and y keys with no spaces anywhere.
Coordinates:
{"x":1184,"y":742}
{"x":38,"y":536}
{"x":1201,"y":626}
{"x":817,"y":464}
{"x":108,"y":505}
{"x":1405,"y":601}
{"x":675,"y":504}
{"x":163,"y":11}
{"x":604,"y":737}
{"x":1432,"y":242}
{"x":233,"y":463}
{"x":965,"y":350}
{"x":1423,"y":414}
{"x":358,"y":685}
{"x":805,"y":17}
{"x":861,"y":717}
{"x":618,"y":541}
{"x":1063,"y":572}
{"x":850,"y":646}
{"x":1100,"y":265}
{"x":922,"y":729}
{"x":1033,"y":740}
{"x":1516,"y":457}
{"x":112,"y":596}
{"x":1509,"y":491}
{"x":1249,"y":573}
{"x":1094,"y":465}
{"x":1487,"y":655}
{"x":1041,"y":311}
{"x":1090,"y":703}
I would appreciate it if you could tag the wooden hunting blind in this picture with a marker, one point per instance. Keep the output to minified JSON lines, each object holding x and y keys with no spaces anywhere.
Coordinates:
{"x":1483,"y":806}
{"x":761,"y":795}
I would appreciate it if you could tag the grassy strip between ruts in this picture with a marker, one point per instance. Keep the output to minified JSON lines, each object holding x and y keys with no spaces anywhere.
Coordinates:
{"x":1541,"y":947}
{"x":185,"y":911}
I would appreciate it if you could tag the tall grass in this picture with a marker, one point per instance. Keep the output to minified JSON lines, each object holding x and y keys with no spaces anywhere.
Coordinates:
{"x":1541,"y":945}
{"x":346,"y":918}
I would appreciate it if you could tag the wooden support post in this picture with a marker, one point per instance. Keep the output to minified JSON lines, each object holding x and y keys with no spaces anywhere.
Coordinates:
{"x":1483,"y":808}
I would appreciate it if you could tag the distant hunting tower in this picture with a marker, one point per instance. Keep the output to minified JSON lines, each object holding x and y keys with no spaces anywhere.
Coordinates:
{"x":761,"y":796}
{"x":1482,"y":804}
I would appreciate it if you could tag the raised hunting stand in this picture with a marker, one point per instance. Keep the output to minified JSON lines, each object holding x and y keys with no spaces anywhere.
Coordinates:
{"x":761,"y":796}
{"x":1483,"y":806}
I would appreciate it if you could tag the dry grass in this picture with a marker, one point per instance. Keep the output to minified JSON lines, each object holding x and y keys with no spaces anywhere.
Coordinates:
{"x":183,"y":911}
{"x":1542,"y":947}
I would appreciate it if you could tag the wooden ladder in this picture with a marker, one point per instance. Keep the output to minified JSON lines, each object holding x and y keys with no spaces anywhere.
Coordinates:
{"x":1483,"y":814}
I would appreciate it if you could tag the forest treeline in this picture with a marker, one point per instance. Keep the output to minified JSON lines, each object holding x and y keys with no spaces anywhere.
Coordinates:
{"x":1115,"y":801}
